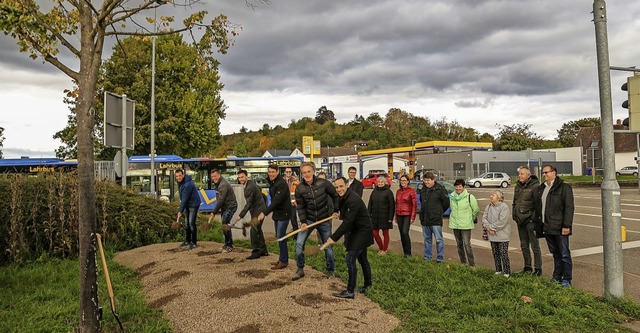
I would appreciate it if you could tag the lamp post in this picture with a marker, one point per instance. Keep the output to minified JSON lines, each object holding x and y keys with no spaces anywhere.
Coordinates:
{"x":153,"y":99}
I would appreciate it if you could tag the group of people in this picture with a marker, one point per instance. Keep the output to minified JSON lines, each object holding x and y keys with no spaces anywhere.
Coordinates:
{"x":539,"y":210}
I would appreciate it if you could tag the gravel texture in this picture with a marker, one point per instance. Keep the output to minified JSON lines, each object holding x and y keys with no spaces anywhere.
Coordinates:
{"x":205,"y":290}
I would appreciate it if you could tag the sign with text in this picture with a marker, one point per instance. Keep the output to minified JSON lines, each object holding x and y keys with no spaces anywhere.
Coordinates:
{"x":307,"y":144}
{"x":114,"y":123}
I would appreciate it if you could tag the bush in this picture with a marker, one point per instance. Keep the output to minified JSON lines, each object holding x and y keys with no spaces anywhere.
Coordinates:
{"x":40,"y":215}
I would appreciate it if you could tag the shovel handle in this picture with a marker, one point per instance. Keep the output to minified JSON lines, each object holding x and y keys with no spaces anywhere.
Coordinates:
{"x":106,"y":272}
{"x":299,"y":230}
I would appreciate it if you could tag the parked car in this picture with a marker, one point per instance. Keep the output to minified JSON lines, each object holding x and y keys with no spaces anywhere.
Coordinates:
{"x":371,"y":180}
{"x":628,"y":170}
{"x":500,"y":179}
{"x":417,"y":185}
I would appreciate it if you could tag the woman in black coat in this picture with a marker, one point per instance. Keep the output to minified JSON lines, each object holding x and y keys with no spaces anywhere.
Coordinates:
{"x":382,"y":207}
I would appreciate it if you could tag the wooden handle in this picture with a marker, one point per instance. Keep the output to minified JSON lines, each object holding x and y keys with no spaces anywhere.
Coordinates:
{"x":106,"y":273}
{"x":299,"y":230}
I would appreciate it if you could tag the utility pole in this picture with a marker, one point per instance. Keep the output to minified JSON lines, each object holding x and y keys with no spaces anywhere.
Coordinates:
{"x":610,"y":191}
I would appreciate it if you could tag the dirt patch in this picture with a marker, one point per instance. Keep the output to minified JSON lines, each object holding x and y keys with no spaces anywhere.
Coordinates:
{"x":208,"y":253}
{"x":162,"y":301}
{"x":174,"y":250}
{"x":175,"y":276}
{"x":241,"y":291}
{"x":228,"y":260}
{"x":251,"y":328}
{"x":253,"y":273}
{"x":314,"y":300}
{"x":146,"y":267}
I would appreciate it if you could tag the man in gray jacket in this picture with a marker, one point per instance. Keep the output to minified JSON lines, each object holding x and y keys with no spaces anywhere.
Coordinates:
{"x":522,"y":211}
{"x":254,"y":205}
{"x":226,"y":204}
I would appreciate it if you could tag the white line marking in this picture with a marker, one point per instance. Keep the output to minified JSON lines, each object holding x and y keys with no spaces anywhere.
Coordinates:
{"x":599,"y":249}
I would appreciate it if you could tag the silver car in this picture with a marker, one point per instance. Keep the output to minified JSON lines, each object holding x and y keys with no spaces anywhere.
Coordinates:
{"x":628,"y":170}
{"x":500,"y":179}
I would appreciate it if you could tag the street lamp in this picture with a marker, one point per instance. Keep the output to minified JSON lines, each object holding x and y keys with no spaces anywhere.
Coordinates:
{"x":153,"y":98}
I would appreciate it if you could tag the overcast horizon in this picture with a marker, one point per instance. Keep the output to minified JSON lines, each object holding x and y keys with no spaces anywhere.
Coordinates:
{"x":480,"y":63}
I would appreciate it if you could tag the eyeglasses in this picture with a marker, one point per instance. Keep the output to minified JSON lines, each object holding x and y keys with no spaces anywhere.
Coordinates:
{"x":546,"y":172}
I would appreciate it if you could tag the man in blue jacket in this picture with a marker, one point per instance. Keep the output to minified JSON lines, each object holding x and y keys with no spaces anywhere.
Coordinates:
{"x":189,"y":205}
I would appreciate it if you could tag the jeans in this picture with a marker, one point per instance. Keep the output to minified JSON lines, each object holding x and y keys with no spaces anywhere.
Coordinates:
{"x":435,"y":230}
{"x":325,"y":232}
{"x":528,"y":238}
{"x":361,"y":256}
{"x":404,"y":222}
{"x":463,"y":241}
{"x":562,"y":265}
{"x":226,"y":216}
{"x":281,"y":230}
{"x":190,"y":228}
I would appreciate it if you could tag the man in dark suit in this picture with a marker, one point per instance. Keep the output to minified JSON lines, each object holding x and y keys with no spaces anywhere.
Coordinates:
{"x":281,"y":209}
{"x":358,"y":231}
{"x":353,"y":184}
{"x":255,"y":205}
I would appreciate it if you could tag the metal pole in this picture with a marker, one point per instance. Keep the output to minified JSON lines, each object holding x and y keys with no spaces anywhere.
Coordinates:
{"x":638,"y":157}
{"x":153,"y":105}
{"x":123,"y":147}
{"x":611,"y":216}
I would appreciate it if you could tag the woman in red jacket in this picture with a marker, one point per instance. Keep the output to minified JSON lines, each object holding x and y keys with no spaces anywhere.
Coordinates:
{"x":406,"y":203}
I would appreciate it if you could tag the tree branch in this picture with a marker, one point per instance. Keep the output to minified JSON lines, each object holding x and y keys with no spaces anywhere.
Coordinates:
{"x":38,"y":17}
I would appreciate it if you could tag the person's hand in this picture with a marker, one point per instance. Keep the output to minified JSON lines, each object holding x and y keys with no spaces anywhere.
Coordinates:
{"x":238,"y":218}
{"x":566,"y":231}
{"x":412,"y":221}
{"x":212,"y":215}
{"x":179,"y":214}
{"x":492,"y":232}
{"x":261,"y":217}
{"x":329,"y":242}
{"x":303,"y":227}
{"x":336,"y":216}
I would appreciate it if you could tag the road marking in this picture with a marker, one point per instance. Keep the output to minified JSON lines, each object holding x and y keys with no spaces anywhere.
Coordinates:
{"x":599,"y":249}
{"x":600,"y":216}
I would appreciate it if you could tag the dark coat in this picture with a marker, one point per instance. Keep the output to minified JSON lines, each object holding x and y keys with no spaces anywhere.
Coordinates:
{"x":312,"y":200}
{"x":189,"y":196}
{"x":523,"y":206}
{"x":559,"y":208}
{"x":253,"y":196}
{"x":357,"y":187}
{"x":406,"y":202}
{"x":434,"y":202}
{"x":356,"y":225}
{"x":382,"y":208}
{"x":280,"y":199}
{"x":225,"y":197}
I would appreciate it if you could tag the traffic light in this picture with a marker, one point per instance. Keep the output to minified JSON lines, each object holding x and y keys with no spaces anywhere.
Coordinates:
{"x":632,"y":87}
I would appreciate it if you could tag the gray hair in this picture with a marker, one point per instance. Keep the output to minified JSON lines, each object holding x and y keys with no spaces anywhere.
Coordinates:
{"x":499,"y":194}
{"x":382,"y":178}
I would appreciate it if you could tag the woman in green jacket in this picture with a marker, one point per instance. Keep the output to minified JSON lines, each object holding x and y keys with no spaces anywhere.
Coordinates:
{"x":464,"y":209}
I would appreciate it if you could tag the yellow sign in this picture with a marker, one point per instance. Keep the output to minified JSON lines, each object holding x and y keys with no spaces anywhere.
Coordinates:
{"x":316,"y":147}
{"x":307,"y":145}
{"x":206,"y":197}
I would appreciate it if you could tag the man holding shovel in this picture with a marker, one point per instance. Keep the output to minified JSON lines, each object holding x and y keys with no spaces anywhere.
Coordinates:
{"x":312,"y":202}
{"x":226,"y":205}
{"x":281,"y":209}
{"x":189,"y":204}
{"x":358,"y":236}
{"x":255,"y":205}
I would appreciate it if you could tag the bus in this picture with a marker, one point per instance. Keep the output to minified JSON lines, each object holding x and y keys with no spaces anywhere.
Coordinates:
{"x":35,"y":166}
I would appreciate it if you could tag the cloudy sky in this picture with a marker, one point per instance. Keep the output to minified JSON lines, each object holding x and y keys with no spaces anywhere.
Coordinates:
{"x":481,"y":63}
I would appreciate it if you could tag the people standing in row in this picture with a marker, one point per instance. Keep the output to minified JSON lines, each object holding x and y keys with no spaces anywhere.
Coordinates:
{"x":292,"y":183}
{"x":406,"y":206}
{"x":434,"y":201}
{"x":281,"y":208}
{"x":522,"y":213}
{"x":354,"y":184}
{"x":496,"y":220}
{"x":254,"y":205}
{"x":189,"y":205}
{"x":554,"y":206}
{"x":382,"y":208}
{"x":464,"y":209}
{"x":312,"y":199}
{"x":358,"y":234}
{"x":226,"y":205}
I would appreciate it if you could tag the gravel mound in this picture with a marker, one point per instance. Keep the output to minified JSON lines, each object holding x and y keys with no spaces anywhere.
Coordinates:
{"x":206,"y":290}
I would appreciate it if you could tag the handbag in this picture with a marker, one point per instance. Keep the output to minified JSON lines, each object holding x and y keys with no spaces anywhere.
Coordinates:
{"x":485,"y":236}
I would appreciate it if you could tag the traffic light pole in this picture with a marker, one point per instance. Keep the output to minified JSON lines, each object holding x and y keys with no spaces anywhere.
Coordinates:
{"x":610,"y":191}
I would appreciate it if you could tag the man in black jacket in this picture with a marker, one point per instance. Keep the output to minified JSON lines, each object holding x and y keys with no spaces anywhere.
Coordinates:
{"x":522,"y":213}
{"x":255,"y":205}
{"x":353,"y":184}
{"x":312,"y":202}
{"x":434,"y":199}
{"x":281,"y":208}
{"x":226,"y":204}
{"x":358,"y":236}
{"x":554,"y":219}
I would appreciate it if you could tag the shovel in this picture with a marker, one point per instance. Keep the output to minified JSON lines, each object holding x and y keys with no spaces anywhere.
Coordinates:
{"x":176,"y":225}
{"x":308,"y":226}
{"x":106,"y":276}
{"x":207,"y":226}
{"x":227,"y":227}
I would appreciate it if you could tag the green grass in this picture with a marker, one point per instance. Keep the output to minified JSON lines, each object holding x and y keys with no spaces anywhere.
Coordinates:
{"x":427,"y":297}
{"x":43,"y":297}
